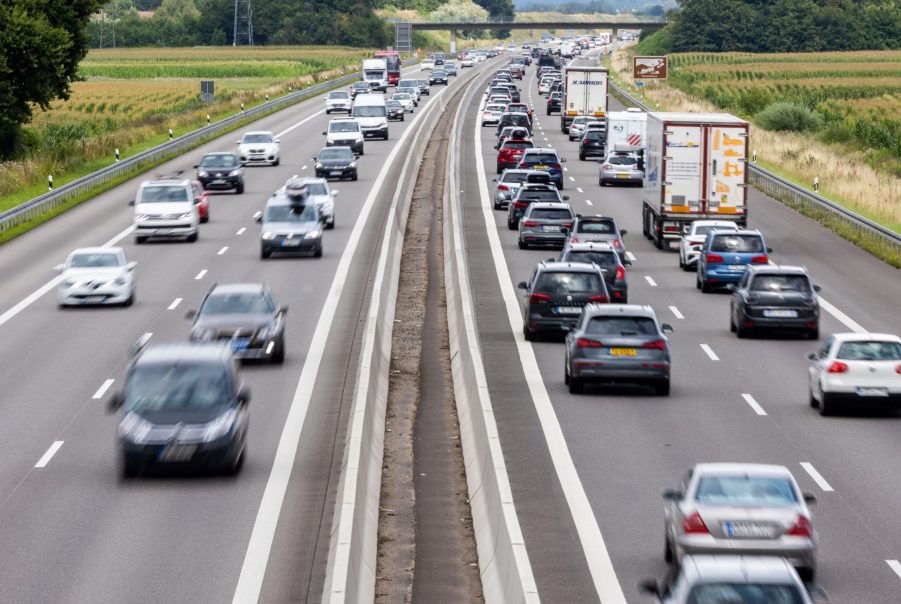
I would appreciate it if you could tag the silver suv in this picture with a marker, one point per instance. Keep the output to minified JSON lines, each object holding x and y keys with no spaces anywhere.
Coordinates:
{"x":166,"y":208}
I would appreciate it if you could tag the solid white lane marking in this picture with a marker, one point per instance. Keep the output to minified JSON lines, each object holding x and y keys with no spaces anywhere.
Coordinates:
{"x":842,"y":317}
{"x":256,"y":558}
{"x":817,"y":477}
{"x":45,"y":459}
{"x":174,"y":304}
{"x":709,"y":352}
{"x":241,"y":231}
{"x":588,"y":201}
{"x":676,"y":312}
{"x":200,"y":275}
{"x":596,"y":555}
{"x":650,"y":281}
{"x":103,"y":388}
{"x":299,"y":124}
{"x":579,"y":189}
{"x":895,"y":566}
{"x":753,"y":404}
{"x":631,"y":256}
{"x":222,"y":251}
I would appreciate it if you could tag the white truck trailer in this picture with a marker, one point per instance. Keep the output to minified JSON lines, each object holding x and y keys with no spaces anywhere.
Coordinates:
{"x":375,"y":72}
{"x":584,"y":93}
{"x":696,"y":168}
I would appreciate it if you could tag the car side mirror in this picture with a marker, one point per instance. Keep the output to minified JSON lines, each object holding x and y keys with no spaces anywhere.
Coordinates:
{"x":190,"y":313}
{"x":198,"y":201}
{"x":258,"y":216}
{"x":237,"y":142}
{"x":666,"y":328}
{"x":59,"y":268}
{"x":324,"y":133}
{"x":809,"y":498}
{"x":356,"y":156}
{"x":563,"y":160}
{"x":278,"y":140}
{"x":522,"y":285}
{"x":131,"y":266}
{"x":131,"y":202}
{"x":283,"y":310}
{"x":314,"y":158}
{"x":811,"y":356}
{"x":626,"y":262}
{"x":670,"y":494}
{"x":566,"y":198}
{"x":817,"y":288}
{"x":116,"y":400}
{"x":649,"y":587}
{"x":769,"y":250}
{"x":623,"y":232}
{"x":333,"y":193}
{"x":197,"y":167}
{"x":244,"y":395}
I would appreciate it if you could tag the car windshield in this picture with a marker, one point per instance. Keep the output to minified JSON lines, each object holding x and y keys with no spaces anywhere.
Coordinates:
{"x":551,"y":214}
{"x":737,"y":244}
{"x":236,"y":304}
{"x":344,"y":127}
{"x":163,"y":193}
{"x":869,"y":351}
{"x":518,"y":120}
{"x":257,"y":138}
{"x":596,"y":226}
{"x":177,"y":387}
{"x":621,"y":160}
{"x":744,"y":593}
{"x":704,"y":229}
{"x":92,"y":260}
{"x":370,"y":111}
{"x":406,"y":84}
{"x":219,"y":161}
{"x":334,"y":154}
{"x":594,"y":135}
{"x":539,"y":195}
{"x":568,"y":283}
{"x":541,"y":158}
{"x":317,"y":188}
{"x":393,"y":105}
{"x":339,"y":95}
{"x":291,"y":213}
{"x":401,"y":96}
{"x":602,"y":259}
{"x":439,"y":73}
{"x":622,"y":326}
{"x":361,"y":85}
{"x":781,"y":283}
{"x":515,"y":144}
{"x":745,"y":490}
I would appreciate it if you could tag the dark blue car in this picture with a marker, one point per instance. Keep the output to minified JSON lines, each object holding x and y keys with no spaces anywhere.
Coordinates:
{"x":545,"y":159}
{"x":726,"y":255}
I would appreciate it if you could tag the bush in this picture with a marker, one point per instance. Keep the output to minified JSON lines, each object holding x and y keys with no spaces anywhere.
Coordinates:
{"x":789,"y":116}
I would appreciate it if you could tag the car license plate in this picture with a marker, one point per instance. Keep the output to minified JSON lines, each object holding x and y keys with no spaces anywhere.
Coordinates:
{"x":872,"y":391}
{"x":622,"y":176}
{"x":780,"y":314}
{"x":747,"y":529}
{"x":92,"y":299}
{"x":335,"y":172}
{"x":177,"y":453}
{"x":239,"y":344}
{"x":218,"y":181}
{"x":551,"y":228}
{"x":290,"y":242}
{"x":737,"y":267}
{"x":569,"y":310}
{"x":623,"y":352}
{"x":540,"y":167}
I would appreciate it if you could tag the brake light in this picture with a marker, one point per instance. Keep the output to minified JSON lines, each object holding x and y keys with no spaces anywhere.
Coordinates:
{"x":694,"y":524}
{"x":539,"y":298}
{"x":760,"y":260}
{"x":555,"y":166}
{"x":714,"y":258}
{"x":585,"y":141}
{"x":657,"y":345}
{"x":503,"y":188}
{"x":520,"y":204}
{"x":620,"y":273}
{"x":898,"y":369}
{"x":607,"y":167}
{"x":838,"y":367}
{"x":598,"y":298}
{"x":801,"y":528}
{"x":529,"y":223}
{"x":568,"y":225}
{"x":586,"y":343}
{"x":617,"y":244}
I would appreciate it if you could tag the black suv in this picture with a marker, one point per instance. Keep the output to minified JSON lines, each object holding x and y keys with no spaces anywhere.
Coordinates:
{"x":774,"y":297}
{"x":222,"y":171}
{"x":528,"y":193}
{"x":555,"y":294}
{"x":613,"y":267}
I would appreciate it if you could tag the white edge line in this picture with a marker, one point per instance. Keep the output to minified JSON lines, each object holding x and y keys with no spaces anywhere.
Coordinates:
{"x":46,"y":457}
{"x":103,"y":388}
{"x":817,"y":477}
{"x":676,"y":312}
{"x":596,"y":555}
{"x":895,"y":566}
{"x":707,"y":349}
{"x":753,"y":404}
{"x":841,"y":317}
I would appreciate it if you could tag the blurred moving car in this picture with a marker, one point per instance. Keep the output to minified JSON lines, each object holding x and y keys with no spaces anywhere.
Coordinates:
{"x":396,"y":111}
{"x":291,"y":224}
{"x":259,"y":148}
{"x":855,"y":370}
{"x":96,"y":275}
{"x":168,"y":208}
{"x":358,"y":88}
{"x":221,"y":171}
{"x":438,"y":76}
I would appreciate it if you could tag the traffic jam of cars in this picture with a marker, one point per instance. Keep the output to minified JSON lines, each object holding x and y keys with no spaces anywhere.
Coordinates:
{"x":736,"y":532}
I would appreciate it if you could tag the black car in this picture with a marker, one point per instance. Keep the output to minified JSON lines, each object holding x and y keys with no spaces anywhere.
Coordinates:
{"x":245,"y":316}
{"x":423,"y":87}
{"x":438,"y":76}
{"x":183,"y":405}
{"x":553,"y":103}
{"x":221,"y":171}
{"x":527,"y":194}
{"x":773,"y":297}
{"x":612,"y":265}
{"x":513,"y":91}
{"x":553,"y":297}
{"x":395,"y":110}
{"x":359,"y":88}
{"x":520,"y":120}
{"x":593,"y":143}
{"x":336,"y":162}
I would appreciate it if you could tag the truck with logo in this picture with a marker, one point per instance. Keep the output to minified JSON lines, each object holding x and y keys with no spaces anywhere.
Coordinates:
{"x":584,"y":93}
{"x":696,"y":169}
{"x":375,"y":73}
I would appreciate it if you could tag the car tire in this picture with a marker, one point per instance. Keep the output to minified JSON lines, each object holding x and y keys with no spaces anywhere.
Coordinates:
{"x":234,"y":468}
{"x":277,"y":161}
{"x":511,"y":225}
{"x":264,"y":253}
{"x":279,"y":356}
{"x":705,"y":288}
{"x":330,"y":225}
{"x":576,"y":386}
{"x":811,"y":400}
{"x":814,"y":334}
{"x":318,"y":253}
{"x":681,"y":263}
{"x":239,"y":190}
{"x":401,"y":118}
{"x":741,"y":332}
{"x":523,"y":245}
{"x":667,"y":551}
{"x":130,"y":468}
{"x":354,"y":177}
{"x":661,"y":388}
{"x":827,"y":407}
{"x":581,"y":157}
{"x":193,"y":237}
{"x":205,"y":219}
{"x":732,"y":324}
{"x":328,"y":111}
{"x":807,"y":574}
{"x":527,"y":333}
{"x":130,"y":300}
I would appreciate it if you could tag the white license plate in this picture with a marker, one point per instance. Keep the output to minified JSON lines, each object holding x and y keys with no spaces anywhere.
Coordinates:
{"x":218,"y":181}
{"x":290,"y":242}
{"x":737,"y":267}
{"x":747,"y":529}
{"x":873,"y":391}
{"x":569,"y":310}
{"x":550,"y":228}
{"x":177,"y":453}
{"x":93,"y":299}
{"x":780,"y":314}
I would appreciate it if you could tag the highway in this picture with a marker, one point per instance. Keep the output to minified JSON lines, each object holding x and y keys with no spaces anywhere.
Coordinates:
{"x":594,"y":465}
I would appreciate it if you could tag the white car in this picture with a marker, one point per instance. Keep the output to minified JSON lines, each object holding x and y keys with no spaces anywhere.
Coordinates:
{"x":96,"y":275}
{"x":259,"y":147}
{"x":856,"y":370}
{"x":405,"y":99}
{"x":492,"y":114}
{"x":467,"y":61}
{"x":338,"y":100}
{"x":545,"y":85}
{"x":690,"y":244}
{"x":480,"y":56}
{"x":411,"y":88}
{"x":319,"y":192}
{"x":427,"y":64}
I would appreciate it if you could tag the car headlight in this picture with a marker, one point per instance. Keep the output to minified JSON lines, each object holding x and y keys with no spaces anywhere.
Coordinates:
{"x":318,"y":166}
{"x":120,"y":281}
{"x":186,"y":216}
{"x":70,"y":283}
{"x":202,"y":174}
{"x":220,"y":426}
{"x":235,"y":172}
{"x":134,"y":428}
{"x":203,"y":334}
{"x":267,"y":331}
{"x":268,"y":235}
{"x":141,"y":217}
{"x":313,"y":234}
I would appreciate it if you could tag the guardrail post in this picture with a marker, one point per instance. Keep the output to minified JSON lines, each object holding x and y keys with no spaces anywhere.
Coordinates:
{"x":50,"y":182}
{"x":242,"y":107}
{"x":267,"y":98}
{"x":207,"y":119}
{"x":117,"y":153}
{"x":816,"y":183}
{"x":754,"y":156}
{"x":170,"y":134}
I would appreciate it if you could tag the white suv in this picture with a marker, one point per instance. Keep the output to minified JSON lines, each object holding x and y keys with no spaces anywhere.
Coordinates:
{"x":259,"y":148}
{"x":345,"y":132}
{"x":166,"y":208}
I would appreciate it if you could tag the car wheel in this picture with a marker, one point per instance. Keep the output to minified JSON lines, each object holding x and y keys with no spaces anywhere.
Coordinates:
{"x":401,"y":118}
{"x":193,"y":237}
{"x":698,"y":282}
{"x":277,"y":161}
{"x":328,"y":111}
{"x":131,"y":299}
{"x":497,"y":206}
{"x":576,"y":386}
{"x":601,"y":183}
{"x":279,"y":356}
{"x":667,"y":551}
{"x":581,"y":157}
{"x":527,"y":333}
{"x":661,"y":388}
{"x":807,"y":574}
{"x":264,"y":253}
{"x":234,"y":468}
{"x":130,"y":467}
{"x":318,"y":253}
{"x":811,"y":400}
{"x":732,"y":323}
{"x":139,"y":240}
{"x":827,"y":407}
{"x":205,"y":219}
{"x":681,"y":263}
{"x":511,"y":225}
{"x":354,"y":177}
{"x":330,"y":225}
{"x":814,"y":334}
{"x":741,"y":332}
{"x":566,"y":374}
{"x":240,"y":189}
{"x":523,"y":245}
{"x":705,"y":288}
{"x":499,"y":170}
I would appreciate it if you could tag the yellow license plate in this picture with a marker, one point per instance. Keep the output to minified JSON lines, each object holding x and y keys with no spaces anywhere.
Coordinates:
{"x":623,"y":352}
{"x":622,"y":176}
{"x":540,"y":167}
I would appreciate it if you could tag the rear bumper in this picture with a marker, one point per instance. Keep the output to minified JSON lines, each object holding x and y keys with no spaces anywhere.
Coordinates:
{"x":618,"y":370}
{"x":715,"y":277}
{"x":776,"y":323}
{"x":554,"y":239}
{"x":799,"y":551}
{"x":306,"y":247}
{"x":556,"y":324}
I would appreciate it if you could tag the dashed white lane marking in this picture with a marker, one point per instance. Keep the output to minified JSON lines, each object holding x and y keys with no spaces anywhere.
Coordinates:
{"x":103,"y":388}
{"x":200,"y":275}
{"x":842,"y":317}
{"x":565,"y":169}
{"x":588,"y":201}
{"x":631,"y":256}
{"x":709,"y":352}
{"x":579,"y":189}
{"x":222,"y":251}
{"x":753,"y":404}
{"x":650,"y":280}
{"x":572,"y":179}
{"x":174,"y":304}
{"x":45,"y":459}
{"x":241,"y":231}
{"x":303,"y":167}
{"x":817,"y":477}
{"x":676,"y":312}
{"x":895,"y":566}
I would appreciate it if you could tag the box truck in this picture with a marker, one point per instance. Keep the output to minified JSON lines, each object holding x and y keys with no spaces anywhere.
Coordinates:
{"x":584,"y":93}
{"x":375,"y":72}
{"x":696,"y":168}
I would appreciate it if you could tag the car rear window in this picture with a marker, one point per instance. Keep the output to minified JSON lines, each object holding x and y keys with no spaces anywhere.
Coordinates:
{"x":737,"y":244}
{"x":541,"y":158}
{"x":531,"y":195}
{"x":596,"y":226}
{"x":602,"y":259}
{"x":568,"y":283}
{"x":514,"y":144}
{"x":594,"y":135}
{"x":745,"y":490}
{"x":744,"y":593}
{"x":622,"y":161}
{"x":229,"y":304}
{"x":622,"y":326}
{"x":869,"y":351}
{"x":551,"y":214}
{"x":780,"y":283}
{"x":704,"y":229}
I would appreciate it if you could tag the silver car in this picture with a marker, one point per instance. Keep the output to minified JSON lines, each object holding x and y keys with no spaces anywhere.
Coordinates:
{"x":508,"y":183}
{"x":621,"y":168}
{"x":319,"y":193}
{"x":96,"y":275}
{"x":545,"y":224}
{"x":741,"y":508}
{"x":618,"y":343}
{"x":579,"y":124}
{"x":338,"y":100}
{"x":739,"y":579}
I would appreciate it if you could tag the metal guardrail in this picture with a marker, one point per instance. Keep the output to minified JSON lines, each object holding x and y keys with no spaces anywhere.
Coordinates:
{"x":879,"y":240}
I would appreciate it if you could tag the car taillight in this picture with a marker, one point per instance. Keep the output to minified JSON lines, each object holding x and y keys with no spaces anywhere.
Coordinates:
{"x":586,"y":343}
{"x":656,"y":345}
{"x":898,"y":369}
{"x":520,"y":204}
{"x":539,"y":298}
{"x":555,"y":166}
{"x":838,"y":367}
{"x":620,"y":273}
{"x":598,"y":298}
{"x":607,"y":167}
{"x":801,"y":528}
{"x":759,"y":260}
{"x":617,"y":244}
{"x":503,"y":188}
{"x":568,"y":225}
{"x":714,"y":258}
{"x":529,"y":223}
{"x":585,"y":141}
{"x":694,"y":524}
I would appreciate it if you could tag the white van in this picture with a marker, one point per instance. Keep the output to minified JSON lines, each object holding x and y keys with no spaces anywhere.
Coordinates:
{"x":166,"y":208}
{"x":370,"y":111}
